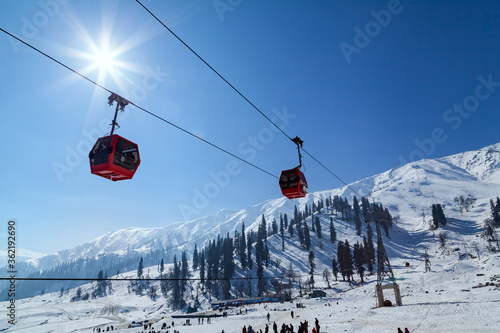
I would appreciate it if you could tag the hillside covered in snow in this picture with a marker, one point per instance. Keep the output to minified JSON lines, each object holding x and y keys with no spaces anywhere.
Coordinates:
{"x":462,"y":259}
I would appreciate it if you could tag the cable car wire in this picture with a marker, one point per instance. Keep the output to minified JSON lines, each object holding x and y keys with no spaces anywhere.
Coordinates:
{"x":243,"y":96}
{"x":139,"y":107}
{"x":150,"y":279}
{"x":213,"y":69}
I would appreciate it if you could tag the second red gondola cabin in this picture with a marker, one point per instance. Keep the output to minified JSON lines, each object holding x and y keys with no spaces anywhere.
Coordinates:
{"x":114,"y":158}
{"x":293,"y":183}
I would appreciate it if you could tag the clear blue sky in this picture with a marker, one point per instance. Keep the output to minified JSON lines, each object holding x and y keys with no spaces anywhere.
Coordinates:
{"x":366,"y":84}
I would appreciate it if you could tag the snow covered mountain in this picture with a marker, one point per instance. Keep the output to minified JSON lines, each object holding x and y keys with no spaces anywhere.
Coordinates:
{"x":454,"y":289}
{"x":408,"y":191}
{"x":22,"y":255}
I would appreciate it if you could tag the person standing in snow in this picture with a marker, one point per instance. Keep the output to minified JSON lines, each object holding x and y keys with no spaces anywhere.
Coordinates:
{"x":406,"y":330}
{"x":316,"y":323}
{"x":399,"y":330}
{"x":268,"y":316}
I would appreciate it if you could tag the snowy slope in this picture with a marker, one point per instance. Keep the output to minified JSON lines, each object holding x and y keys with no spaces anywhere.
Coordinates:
{"x":408,"y":191}
{"x":458,"y":295}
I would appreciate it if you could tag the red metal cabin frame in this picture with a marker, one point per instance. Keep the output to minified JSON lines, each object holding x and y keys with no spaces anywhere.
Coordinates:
{"x":114,"y":157}
{"x":293,"y":183}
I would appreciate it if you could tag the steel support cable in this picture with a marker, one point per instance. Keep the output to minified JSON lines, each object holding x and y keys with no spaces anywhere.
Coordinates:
{"x":149,"y":279}
{"x":347,"y":185}
{"x":213,"y":69}
{"x":239,"y":93}
{"x":139,"y":107}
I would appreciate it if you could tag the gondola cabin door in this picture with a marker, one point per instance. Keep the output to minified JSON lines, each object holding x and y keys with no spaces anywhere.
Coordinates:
{"x":114,"y":158}
{"x":293,"y":183}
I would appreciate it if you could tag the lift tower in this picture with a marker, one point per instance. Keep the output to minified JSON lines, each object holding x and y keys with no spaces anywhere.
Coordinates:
{"x":383,"y":265}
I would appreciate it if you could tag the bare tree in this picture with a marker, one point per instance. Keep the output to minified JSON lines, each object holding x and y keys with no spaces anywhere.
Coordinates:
{"x":327,"y":276}
{"x":443,"y":237}
{"x":277,"y":263}
{"x":291,"y":275}
{"x":301,"y":286}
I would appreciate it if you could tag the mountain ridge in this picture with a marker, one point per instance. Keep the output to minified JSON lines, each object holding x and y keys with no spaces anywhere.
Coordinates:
{"x":417,"y":179}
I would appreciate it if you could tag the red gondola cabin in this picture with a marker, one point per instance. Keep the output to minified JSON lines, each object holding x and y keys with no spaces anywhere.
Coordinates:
{"x":293,"y":184}
{"x":114,"y":157}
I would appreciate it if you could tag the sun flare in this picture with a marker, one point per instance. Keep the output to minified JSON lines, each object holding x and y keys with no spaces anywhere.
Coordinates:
{"x":104,"y":61}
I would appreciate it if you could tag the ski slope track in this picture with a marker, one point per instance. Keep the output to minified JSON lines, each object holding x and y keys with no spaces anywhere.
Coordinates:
{"x":460,"y":294}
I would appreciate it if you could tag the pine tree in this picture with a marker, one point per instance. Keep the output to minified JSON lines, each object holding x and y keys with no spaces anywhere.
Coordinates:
{"x":348,"y":260}
{"x":370,"y":250}
{"x":249,"y":251}
{"x":307,"y":237}
{"x":185,"y":268}
{"x":357,"y":217}
{"x":227,"y":265}
{"x":359,"y":261}
{"x":267,"y":256}
{"x":261,"y":283}
{"x":100,"y":289}
{"x":140,"y":269}
{"x":177,"y":301}
{"x":367,"y":258}
{"x":333,"y":233}
{"x":318,"y":227}
{"x":365,"y":205}
{"x":242,"y":244}
{"x":335,"y":268}
{"x":341,"y":258}
{"x":162,"y":267}
{"x":196,"y":258}
{"x":300,"y":232}
{"x":202,"y":267}
{"x":274,"y":225}
{"x":312,"y":266}
{"x":262,"y":233}
{"x":259,"y":251}
{"x":285,"y":221}
{"x":313,"y":226}
{"x":296,"y":214}
{"x":282,"y":232}
{"x":290,"y":228}
{"x":438,"y":217}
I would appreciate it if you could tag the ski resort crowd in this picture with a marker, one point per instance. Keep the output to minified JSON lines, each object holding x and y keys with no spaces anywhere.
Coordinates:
{"x":302,"y":328}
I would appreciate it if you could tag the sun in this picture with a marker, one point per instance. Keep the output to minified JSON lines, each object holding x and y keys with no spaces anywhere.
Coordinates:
{"x":106,"y":56}
{"x":104,"y":61}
